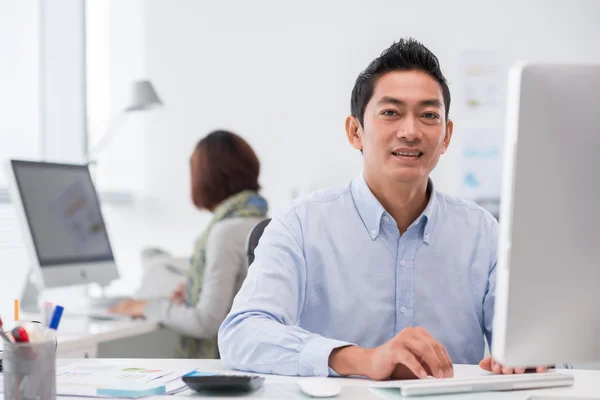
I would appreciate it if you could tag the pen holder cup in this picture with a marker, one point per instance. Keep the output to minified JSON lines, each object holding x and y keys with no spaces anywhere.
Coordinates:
{"x":30,"y":370}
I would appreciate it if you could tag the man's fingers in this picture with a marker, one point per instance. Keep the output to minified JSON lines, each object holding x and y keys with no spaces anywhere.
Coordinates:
{"x":408,"y":359}
{"x":443,"y":358}
{"x":440,"y":351}
{"x":496,"y":368}
{"x":541,"y":369}
{"x":446,"y":361}
{"x":421,"y":348}
{"x":486,"y":364}
{"x":507,"y":370}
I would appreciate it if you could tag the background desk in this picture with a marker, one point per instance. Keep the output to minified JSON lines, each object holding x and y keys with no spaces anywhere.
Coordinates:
{"x":587,"y":383}
{"x":80,"y":337}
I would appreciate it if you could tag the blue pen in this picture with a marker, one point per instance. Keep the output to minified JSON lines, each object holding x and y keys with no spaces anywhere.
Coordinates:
{"x":58,"y":310}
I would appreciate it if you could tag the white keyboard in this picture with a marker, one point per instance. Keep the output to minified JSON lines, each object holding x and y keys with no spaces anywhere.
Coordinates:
{"x":484,"y":383}
{"x":106,"y":302}
{"x":95,"y":314}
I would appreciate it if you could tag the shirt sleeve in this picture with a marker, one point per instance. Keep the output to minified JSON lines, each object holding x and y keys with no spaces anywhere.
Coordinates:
{"x":490,"y":295}
{"x":224,"y":258}
{"x":261,"y":333}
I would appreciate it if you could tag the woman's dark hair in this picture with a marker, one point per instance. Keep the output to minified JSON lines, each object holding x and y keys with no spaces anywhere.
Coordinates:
{"x":226,"y":165}
{"x":405,"y":55}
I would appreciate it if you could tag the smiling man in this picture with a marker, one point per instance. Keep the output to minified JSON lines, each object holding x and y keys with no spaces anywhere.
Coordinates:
{"x":384,"y":277}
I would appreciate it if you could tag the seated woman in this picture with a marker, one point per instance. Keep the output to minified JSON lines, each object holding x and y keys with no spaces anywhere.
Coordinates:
{"x":224,"y":180}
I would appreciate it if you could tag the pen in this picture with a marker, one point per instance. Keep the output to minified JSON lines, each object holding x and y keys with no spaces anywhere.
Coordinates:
{"x":58,"y":310}
{"x":16,"y":310}
{"x":47,"y":314}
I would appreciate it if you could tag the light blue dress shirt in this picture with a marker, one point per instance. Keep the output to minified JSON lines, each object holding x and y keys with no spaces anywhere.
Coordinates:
{"x":333,"y":270}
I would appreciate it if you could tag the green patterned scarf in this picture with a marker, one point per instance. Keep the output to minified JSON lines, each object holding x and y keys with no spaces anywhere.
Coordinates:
{"x":243,"y":204}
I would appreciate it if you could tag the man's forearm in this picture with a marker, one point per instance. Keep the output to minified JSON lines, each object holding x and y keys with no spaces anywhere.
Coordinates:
{"x":252,"y":342}
{"x":350,"y":360}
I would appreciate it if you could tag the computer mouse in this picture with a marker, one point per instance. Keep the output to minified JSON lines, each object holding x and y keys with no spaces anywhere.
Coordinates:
{"x":319,"y":387}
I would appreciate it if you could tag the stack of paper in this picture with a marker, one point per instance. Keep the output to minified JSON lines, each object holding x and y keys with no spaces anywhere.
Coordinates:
{"x":86,"y":379}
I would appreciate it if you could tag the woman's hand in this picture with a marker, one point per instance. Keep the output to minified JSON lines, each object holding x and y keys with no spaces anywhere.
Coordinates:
{"x":178,"y":296}
{"x":132,"y":308}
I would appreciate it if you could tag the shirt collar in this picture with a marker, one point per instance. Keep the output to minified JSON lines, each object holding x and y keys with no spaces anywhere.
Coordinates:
{"x":371,"y":211}
{"x":427,"y":217}
{"x":369,"y":208}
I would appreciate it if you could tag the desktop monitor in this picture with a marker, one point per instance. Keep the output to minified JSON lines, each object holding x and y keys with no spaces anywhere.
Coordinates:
{"x":62,"y":223}
{"x":547,"y":307}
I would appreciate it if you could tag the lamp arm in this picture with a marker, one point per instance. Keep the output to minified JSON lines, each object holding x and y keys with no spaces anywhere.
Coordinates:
{"x":107,"y":138}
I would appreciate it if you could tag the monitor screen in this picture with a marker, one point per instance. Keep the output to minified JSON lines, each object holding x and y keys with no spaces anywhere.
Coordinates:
{"x":63,"y":213}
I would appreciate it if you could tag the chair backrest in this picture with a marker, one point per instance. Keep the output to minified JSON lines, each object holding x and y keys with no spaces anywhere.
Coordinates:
{"x":253,"y":239}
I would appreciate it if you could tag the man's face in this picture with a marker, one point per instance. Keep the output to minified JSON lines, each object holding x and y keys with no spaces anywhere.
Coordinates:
{"x":405,"y":129}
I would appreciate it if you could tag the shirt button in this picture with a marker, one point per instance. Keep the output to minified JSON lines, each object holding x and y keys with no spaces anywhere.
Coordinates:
{"x":402,"y":262}
{"x":403,"y":310}
{"x":373,"y":232}
{"x":316,"y":371}
{"x":385,"y":218}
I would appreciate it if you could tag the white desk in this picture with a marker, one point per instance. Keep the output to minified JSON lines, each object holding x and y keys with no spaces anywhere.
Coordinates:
{"x":587,"y":383}
{"x":80,"y":337}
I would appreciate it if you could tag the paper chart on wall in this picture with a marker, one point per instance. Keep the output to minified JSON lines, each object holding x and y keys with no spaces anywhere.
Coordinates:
{"x":482,"y":80}
{"x":481,"y":163}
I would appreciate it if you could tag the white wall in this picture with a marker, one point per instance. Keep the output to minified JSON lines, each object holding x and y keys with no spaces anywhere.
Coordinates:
{"x":116,"y":57}
{"x":19,"y":80}
{"x":280,"y":74}
{"x":19,"y":128}
{"x":62,"y":80}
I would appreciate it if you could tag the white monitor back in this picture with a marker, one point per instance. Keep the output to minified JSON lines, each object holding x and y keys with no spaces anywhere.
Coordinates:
{"x":547,"y":306}
{"x":62,"y":223}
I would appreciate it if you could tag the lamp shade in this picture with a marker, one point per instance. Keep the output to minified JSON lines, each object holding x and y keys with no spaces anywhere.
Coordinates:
{"x":142,"y":97}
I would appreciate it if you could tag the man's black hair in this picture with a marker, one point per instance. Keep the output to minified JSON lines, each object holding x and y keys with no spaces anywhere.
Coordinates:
{"x":404,"y":55}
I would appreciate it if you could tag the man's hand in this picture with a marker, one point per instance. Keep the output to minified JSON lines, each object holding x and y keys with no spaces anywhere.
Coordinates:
{"x":488,"y":364}
{"x":413,"y":353}
{"x":178,"y":295}
{"x":133,"y":308}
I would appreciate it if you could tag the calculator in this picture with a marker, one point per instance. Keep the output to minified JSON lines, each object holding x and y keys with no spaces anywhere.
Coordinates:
{"x":223,"y":383}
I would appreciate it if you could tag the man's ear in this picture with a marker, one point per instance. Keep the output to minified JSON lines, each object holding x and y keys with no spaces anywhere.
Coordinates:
{"x":447,"y":136}
{"x":354,"y":132}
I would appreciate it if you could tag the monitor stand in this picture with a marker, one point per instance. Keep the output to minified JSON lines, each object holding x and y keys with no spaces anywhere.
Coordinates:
{"x":30,"y":296}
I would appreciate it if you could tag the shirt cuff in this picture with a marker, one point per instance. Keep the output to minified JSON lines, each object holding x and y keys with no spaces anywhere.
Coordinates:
{"x":314,"y":357}
{"x":155,"y":310}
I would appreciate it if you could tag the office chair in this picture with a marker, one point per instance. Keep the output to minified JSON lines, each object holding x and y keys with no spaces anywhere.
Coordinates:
{"x":253,"y":239}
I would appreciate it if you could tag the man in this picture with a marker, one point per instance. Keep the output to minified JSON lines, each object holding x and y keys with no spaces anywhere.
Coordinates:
{"x":384,"y":277}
